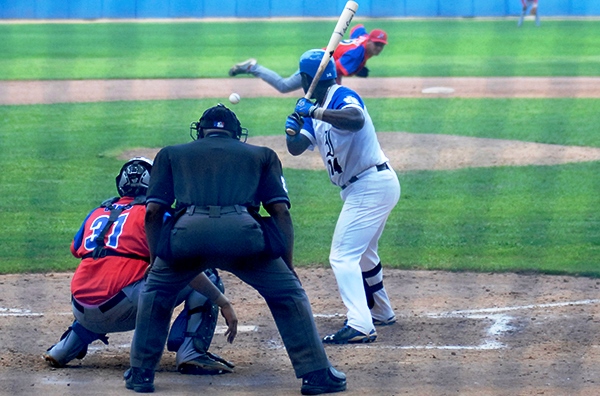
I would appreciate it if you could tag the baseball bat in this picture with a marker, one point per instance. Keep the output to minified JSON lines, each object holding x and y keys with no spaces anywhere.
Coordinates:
{"x":337,"y":35}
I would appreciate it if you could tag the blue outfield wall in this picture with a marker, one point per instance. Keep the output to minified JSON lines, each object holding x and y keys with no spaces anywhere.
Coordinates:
{"x":120,"y":9}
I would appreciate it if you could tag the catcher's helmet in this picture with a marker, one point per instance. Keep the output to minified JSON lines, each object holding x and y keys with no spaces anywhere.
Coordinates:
{"x":218,"y":117}
{"x":134,"y":177}
{"x":310,"y":61}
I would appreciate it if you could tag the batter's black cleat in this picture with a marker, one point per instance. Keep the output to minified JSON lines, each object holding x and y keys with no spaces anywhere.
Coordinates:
{"x":327,"y":380}
{"x":349,"y":335}
{"x":139,"y":380}
{"x":385,"y":322}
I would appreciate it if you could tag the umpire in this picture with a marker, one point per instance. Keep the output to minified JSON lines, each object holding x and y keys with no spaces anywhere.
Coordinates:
{"x":217,"y":184}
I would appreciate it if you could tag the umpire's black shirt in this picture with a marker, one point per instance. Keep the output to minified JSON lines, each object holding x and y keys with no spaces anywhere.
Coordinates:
{"x":217,"y":170}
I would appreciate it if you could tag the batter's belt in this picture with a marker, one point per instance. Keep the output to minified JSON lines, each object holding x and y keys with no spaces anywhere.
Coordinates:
{"x":376,"y":168}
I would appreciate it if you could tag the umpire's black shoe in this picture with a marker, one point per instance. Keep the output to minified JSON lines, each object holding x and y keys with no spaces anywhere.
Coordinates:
{"x":139,"y":380}
{"x":327,"y":380}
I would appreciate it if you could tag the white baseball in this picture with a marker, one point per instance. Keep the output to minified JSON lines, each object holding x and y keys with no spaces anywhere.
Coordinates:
{"x":234,"y":98}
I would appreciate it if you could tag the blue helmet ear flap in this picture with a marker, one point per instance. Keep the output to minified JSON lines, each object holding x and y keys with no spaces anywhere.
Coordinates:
{"x":310,"y":61}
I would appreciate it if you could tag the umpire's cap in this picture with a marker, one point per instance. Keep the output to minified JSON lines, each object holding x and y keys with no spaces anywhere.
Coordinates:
{"x":219,"y":117}
{"x":310,"y":61}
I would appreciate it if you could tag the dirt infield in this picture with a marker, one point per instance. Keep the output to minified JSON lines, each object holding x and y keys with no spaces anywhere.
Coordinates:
{"x":457,"y":333}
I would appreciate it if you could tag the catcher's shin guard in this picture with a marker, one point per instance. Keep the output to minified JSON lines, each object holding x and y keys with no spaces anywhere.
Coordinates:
{"x":72,"y":345}
{"x":193,"y":330}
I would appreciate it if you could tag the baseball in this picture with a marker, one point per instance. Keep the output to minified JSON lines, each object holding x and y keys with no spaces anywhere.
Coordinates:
{"x":234,"y":98}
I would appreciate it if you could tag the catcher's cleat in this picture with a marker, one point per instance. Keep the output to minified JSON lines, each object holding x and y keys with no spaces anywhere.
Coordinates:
{"x":327,"y":380}
{"x":139,"y":380}
{"x":52,"y":362}
{"x":348,"y":335}
{"x":205,"y":365}
{"x":242,"y":67}
{"x":385,"y":322}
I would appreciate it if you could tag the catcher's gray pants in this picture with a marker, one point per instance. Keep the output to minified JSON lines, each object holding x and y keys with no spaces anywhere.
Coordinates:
{"x":283,"y":85}
{"x":96,"y":322}
{"x":275,"y":282}
{"x":122,"y":316}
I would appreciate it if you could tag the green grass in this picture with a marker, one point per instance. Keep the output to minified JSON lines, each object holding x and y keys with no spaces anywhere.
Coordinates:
{"x":59,"y":161}
{"x":207,"y":49}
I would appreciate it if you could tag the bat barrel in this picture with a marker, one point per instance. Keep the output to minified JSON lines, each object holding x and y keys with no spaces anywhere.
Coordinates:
{"x":337,"y":35}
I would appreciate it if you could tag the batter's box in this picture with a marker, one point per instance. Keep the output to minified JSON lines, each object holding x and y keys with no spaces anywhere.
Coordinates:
{"x":477,"y":329}
{"x":438,"y":331}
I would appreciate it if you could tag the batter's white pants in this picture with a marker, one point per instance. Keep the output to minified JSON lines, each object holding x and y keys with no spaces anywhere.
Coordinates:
{"x":367,"y":205}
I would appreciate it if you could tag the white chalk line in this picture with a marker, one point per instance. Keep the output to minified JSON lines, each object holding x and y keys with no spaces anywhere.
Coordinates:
{"x":220,"y":329}
{"x":515,"y":308}
{"x":18,"y":312}
{"x":501,"y":324}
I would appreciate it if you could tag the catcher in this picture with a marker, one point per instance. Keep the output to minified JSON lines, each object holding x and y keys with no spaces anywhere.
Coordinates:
{"x":105,"y":287}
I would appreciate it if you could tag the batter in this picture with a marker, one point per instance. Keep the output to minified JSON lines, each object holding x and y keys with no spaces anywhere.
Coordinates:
{"x":339,"y":125}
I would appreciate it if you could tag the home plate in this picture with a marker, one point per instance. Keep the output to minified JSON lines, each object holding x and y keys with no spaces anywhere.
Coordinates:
{"x":438,"y":90}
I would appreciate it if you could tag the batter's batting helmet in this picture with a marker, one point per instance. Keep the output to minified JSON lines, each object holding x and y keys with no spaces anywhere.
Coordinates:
{"x":219,"y":117}
{"x":310,"y":61}
{"x":134,"y":177}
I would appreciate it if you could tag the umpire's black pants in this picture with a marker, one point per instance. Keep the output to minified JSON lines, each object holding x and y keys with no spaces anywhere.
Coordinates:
{"x":281,"y":290}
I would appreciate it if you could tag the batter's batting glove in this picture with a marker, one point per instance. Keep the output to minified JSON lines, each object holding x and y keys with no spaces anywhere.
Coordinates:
{"x":305,"y":107}
{"x":293,"y":124}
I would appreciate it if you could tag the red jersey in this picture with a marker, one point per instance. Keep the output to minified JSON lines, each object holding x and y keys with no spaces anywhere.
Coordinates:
{"x":96,"y":281}
{"x":351,"y":55}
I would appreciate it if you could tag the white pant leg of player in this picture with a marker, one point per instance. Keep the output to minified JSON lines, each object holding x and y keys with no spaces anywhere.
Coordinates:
{"x":367,"y":205}
{"x":377,"y":297}
{"x":522,"y":17}
{"x":283,"y":85}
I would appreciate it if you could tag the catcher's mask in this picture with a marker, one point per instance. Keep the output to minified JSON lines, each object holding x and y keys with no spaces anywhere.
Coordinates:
{"x":134,"y":177}
{"x":218,"y":117}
